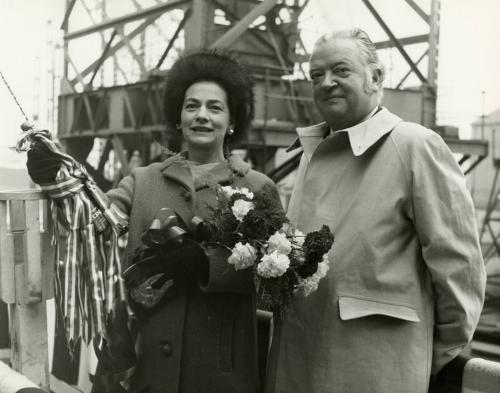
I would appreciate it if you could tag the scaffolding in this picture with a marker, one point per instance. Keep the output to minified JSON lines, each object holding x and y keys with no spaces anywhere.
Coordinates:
{"x":116,"y":94}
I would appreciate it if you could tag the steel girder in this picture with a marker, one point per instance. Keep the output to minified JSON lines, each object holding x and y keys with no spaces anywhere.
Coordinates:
{"x":251,"y":28}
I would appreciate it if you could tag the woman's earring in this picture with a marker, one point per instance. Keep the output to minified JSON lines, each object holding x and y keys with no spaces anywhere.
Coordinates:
{"x":230,"y":132}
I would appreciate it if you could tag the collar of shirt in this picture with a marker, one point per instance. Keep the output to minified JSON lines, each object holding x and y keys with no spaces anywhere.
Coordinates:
{"x":364,"y":134}
{"x":361,"y":136}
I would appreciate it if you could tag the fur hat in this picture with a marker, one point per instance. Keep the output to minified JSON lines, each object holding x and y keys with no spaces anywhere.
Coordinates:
{"x":217,"y":66}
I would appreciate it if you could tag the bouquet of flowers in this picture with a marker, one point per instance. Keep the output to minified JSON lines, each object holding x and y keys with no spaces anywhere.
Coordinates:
{"x":254,"y":229}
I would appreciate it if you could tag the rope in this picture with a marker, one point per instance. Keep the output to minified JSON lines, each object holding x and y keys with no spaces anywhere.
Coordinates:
{"x":13,"y":96}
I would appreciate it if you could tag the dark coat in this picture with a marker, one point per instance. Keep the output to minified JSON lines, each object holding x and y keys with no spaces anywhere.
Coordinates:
{"x":200,"y":338}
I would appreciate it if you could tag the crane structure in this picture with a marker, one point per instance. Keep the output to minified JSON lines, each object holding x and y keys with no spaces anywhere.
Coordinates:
{"x":116,"y":95}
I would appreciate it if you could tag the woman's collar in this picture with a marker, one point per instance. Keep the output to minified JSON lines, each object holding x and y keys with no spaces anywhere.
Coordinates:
{"x":176,"y":167}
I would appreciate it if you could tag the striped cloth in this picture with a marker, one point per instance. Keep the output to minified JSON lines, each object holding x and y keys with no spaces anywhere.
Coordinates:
{"x":88,"y":283}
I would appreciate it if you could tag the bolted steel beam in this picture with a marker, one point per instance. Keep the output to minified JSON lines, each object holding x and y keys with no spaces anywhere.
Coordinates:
{"x":160,"y":8}
{"x":239,"y":28}
{"x":117,"y":46}
{"x":418,"y":10}
{"x":102,"y":58}
{"x":410,"y":71}
{"x":416,"y":39}
{"x":398,"y":45}
{"x":170,"y":45}
{"x":67,"y":14}
{"x":234,"y":19}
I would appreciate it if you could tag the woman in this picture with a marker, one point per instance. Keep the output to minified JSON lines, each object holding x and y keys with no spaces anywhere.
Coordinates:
{"x":201,"y":336}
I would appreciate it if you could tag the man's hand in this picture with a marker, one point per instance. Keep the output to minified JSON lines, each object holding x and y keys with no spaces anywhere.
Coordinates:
{"x":42,"y":164}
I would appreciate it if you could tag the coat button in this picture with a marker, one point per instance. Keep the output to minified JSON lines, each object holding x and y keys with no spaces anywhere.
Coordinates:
{"x":186,"y":195}
{"x":166,"y":349}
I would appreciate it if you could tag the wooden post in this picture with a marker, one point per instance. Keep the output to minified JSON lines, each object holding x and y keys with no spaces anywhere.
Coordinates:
{"x":25,"y":280}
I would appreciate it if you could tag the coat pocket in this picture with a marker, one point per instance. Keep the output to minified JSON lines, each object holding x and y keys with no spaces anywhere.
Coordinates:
{"x":353,"y":308}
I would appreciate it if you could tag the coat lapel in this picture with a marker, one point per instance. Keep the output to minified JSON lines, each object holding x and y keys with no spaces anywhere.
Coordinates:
{"x":361,"y":136}
{"x":309,"y":138}
{"x":223,"y":173}
{"x":177,"y":168}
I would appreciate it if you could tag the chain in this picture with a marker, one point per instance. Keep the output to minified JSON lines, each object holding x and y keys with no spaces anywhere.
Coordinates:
{"x":13,"y":96}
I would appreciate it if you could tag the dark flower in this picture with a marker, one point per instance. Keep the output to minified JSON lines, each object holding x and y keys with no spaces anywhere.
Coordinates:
{"x":255,"y":225}
{"x":276,"y":220}
{"x":268,"y":199}
{"x":317,"y":243}
{"x":228,"y":222}
{"x":308,"y":268}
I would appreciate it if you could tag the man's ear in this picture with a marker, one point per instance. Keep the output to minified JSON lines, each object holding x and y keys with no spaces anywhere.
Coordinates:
{"x":376,"y":75}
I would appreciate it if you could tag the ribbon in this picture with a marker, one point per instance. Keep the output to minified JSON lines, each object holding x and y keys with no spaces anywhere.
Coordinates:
{"x":150,"y":276}
{"x":88,"y":283}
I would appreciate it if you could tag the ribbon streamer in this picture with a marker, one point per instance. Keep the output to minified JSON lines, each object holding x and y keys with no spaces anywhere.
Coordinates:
{"x":88,"y":283}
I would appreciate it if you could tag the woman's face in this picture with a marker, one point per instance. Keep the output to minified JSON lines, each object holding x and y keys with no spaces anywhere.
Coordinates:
{"x":205,"y":117}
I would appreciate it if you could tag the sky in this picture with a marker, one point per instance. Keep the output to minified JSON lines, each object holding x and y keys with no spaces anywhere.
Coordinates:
{"x":469,"y":57}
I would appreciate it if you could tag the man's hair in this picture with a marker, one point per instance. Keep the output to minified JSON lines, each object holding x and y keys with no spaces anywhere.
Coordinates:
{"x":366,"y":46}
{"x":211,"y":65}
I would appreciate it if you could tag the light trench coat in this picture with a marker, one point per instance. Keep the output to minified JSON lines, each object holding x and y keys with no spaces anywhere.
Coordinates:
{"x":406,"y":284}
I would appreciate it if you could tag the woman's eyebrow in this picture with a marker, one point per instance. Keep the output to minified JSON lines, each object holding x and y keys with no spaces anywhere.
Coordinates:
{"x":210,"y":101}
{"x":215,"y":101}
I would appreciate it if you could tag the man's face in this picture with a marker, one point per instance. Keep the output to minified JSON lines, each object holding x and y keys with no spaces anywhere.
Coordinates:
{"x":341,"y":90}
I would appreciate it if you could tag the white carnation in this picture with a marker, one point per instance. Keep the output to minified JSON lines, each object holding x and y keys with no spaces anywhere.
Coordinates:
{"x":305,"y":287}
{"x":308,"y":285}
{"x":279,"y":242}
{"x":243,"y":256}
{"x":273,"y":265}
{"x":230,"y":191}
{"x":241,"y":208}
{"x":245,"y":191}
{"x":323,"y":267}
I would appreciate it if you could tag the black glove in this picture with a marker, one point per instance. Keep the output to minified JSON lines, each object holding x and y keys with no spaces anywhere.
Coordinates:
{"x":190,"y":261}
{"x":155,"y":269}
{"x":43,"y":164}
{"x":185,"y":261}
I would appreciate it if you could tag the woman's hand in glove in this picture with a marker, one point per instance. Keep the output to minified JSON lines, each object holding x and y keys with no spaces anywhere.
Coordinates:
{"x":43,"y":164}
{"x":190,"y":261}
{"x":185,"y":262}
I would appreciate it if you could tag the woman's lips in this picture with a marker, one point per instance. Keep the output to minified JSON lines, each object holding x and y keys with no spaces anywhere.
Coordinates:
{"x":201,"y":129}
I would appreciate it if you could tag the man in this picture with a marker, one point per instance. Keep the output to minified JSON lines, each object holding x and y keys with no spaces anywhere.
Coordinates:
{"x":406,"y":284}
